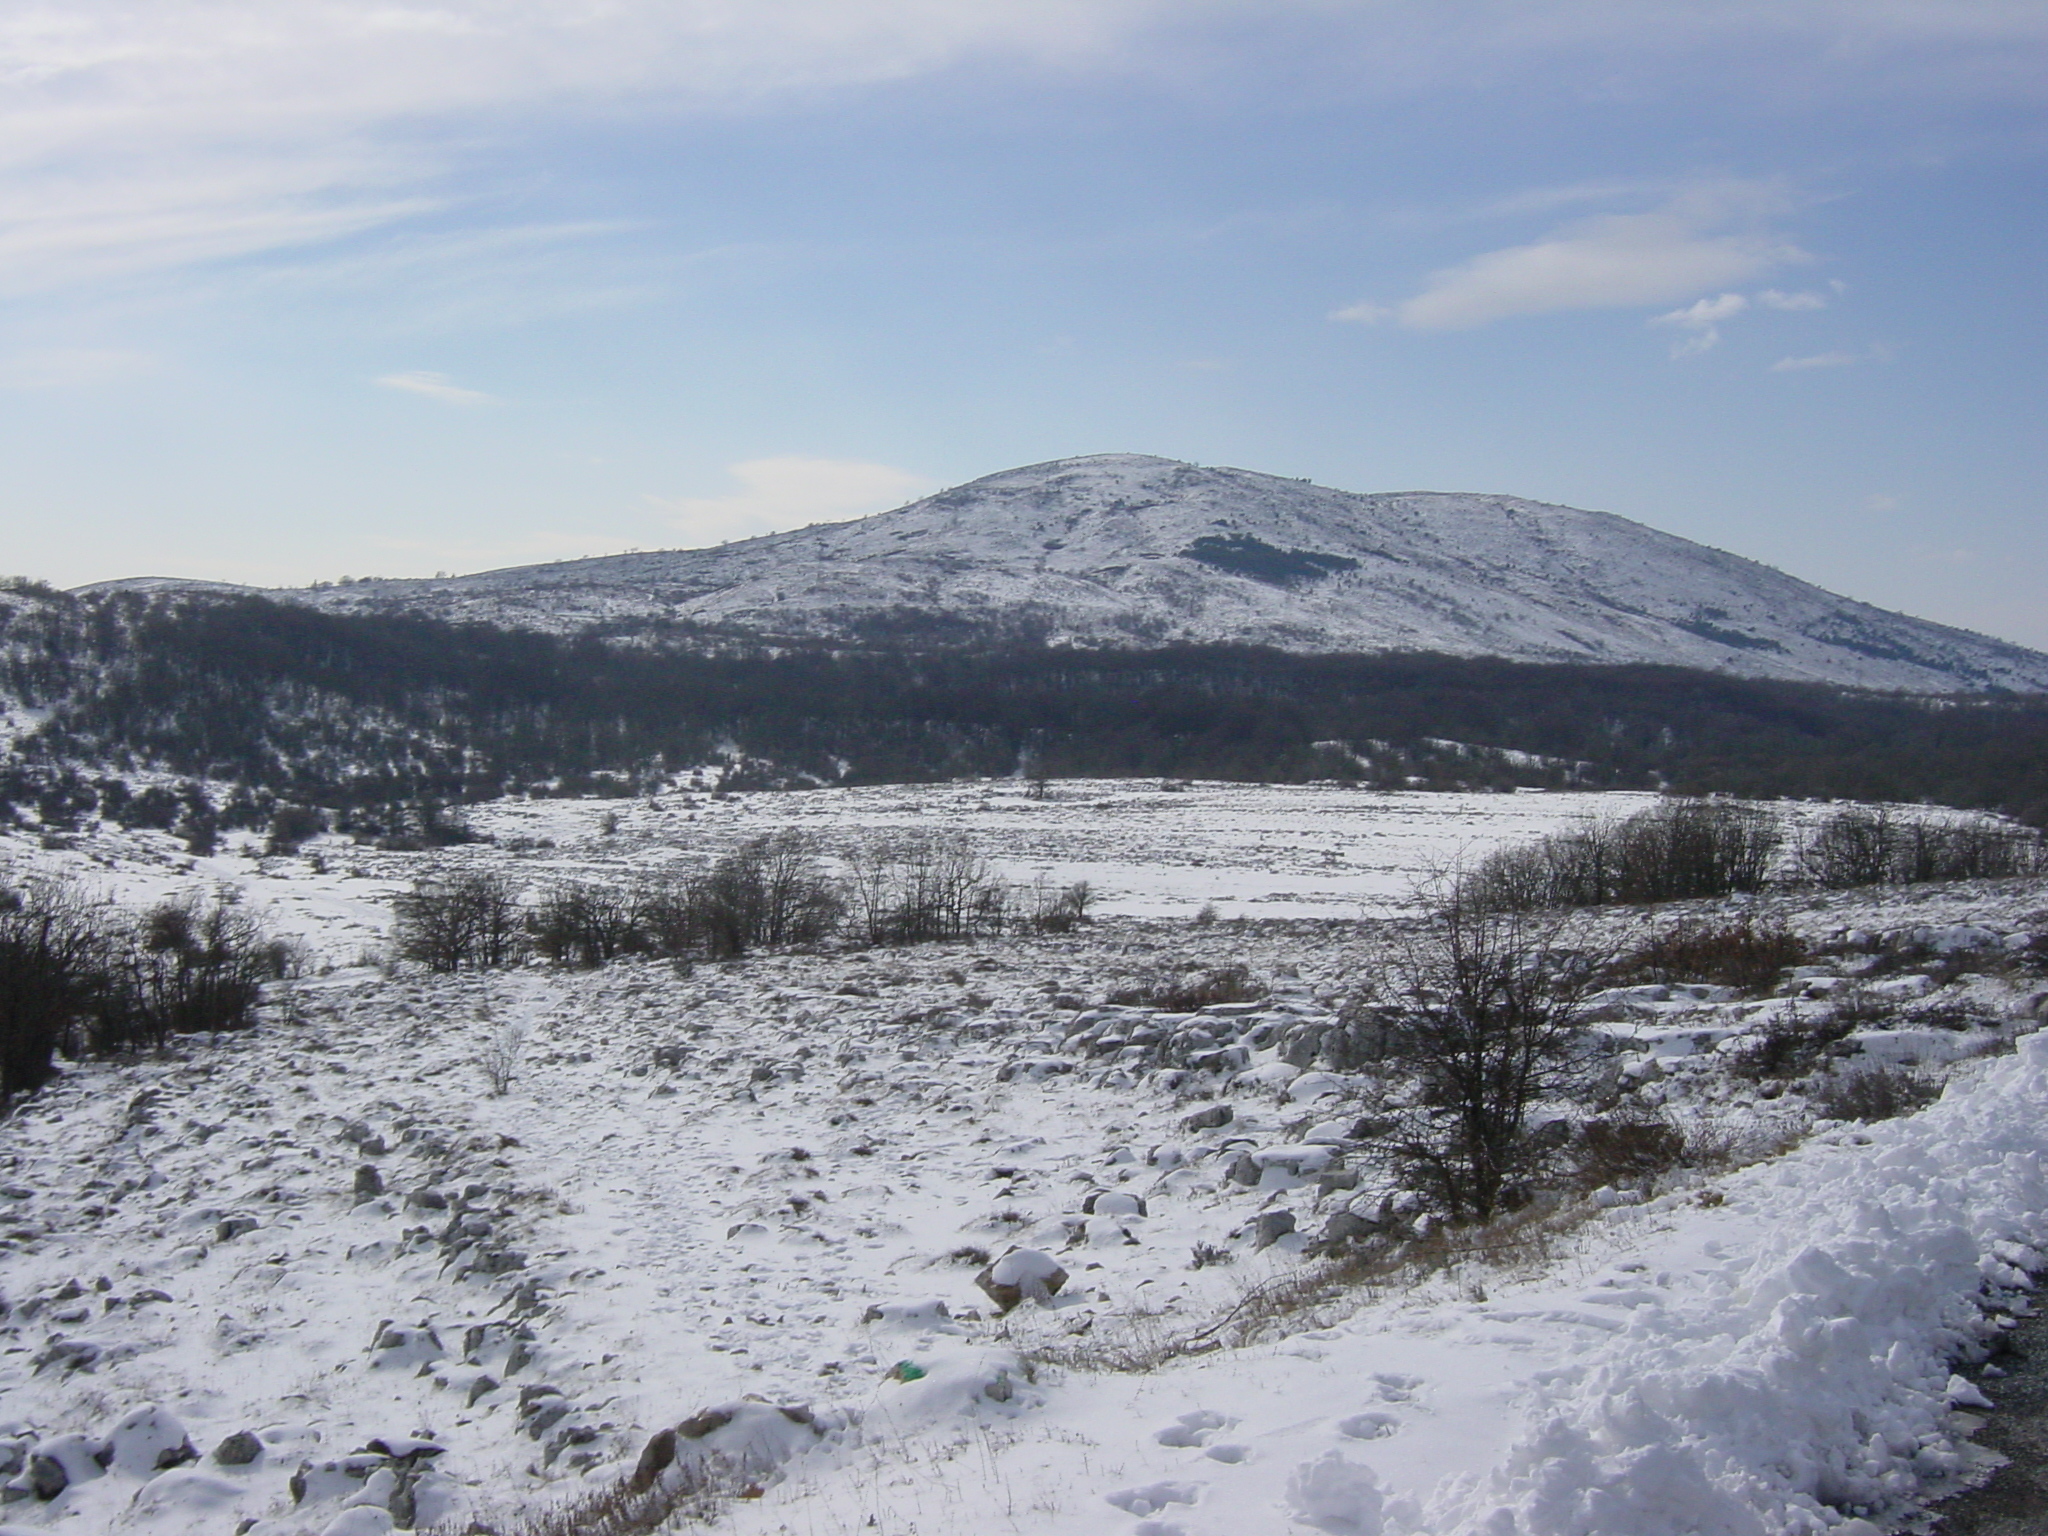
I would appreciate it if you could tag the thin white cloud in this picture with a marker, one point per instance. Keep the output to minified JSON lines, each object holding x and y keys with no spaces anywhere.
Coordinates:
{"x":1707,"y":238}
{"x":1871,"y":354}
{"x":1771,"y":298}
{"x":435,"y":386}
{"x":789,"y":492}
{"x":1703,"y":319}
{"x":138,"y":137}
{"x":1363,"y":313}
{"x":1705,"y":314}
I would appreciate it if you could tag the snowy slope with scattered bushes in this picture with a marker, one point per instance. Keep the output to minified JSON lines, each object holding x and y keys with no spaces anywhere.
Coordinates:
{"x":1119,"y":1229}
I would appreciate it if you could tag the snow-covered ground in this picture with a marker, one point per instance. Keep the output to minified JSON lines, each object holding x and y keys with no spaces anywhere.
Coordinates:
{"x":751,"y":1187}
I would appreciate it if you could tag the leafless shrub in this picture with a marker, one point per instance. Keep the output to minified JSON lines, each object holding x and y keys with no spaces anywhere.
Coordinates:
{"x":1193,"y":992}
{"x":628,"y":1507}
{"x":914,"y":890}
{"x":1742,"y":953}
{"x":1674,"y":851}
{"x":585,"y":925}
{"x":1630,"y":1149}
{"x":1058,"y":911}
{"x":1483,"y":1007}
{"x":460,"y":920}
{"x":1869,"y":845}
{"x":1873,"y":1093}
{"x":1724,"y":1145}
{"x":1789,"y":1046}
{"x":1318,"y":1294}
{"x":499,"y":1058}
{"x":769,"y":891}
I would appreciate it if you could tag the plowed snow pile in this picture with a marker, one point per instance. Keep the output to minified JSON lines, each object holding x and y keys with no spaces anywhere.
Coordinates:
{"x":315,"y":1278}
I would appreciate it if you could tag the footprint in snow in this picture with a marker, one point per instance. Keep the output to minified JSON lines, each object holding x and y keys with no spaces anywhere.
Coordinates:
{"x":1193,"y":1429}
{"x":1369,"y":1426}
{"x":1153,"y":1497}
{"x":1396,"y":1388}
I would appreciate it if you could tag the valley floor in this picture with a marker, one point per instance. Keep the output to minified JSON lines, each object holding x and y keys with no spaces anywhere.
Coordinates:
{"x":770,"y":1183}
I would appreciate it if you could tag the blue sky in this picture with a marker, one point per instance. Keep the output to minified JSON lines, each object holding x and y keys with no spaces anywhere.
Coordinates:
{"x":292,"y":289}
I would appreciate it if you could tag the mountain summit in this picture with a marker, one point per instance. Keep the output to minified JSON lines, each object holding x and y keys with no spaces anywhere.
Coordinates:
{"x":1124,"y":550}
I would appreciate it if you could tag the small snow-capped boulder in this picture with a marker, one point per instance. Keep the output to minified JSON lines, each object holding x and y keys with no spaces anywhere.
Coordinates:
{"x":541,"y":1408}
{"x":1270,"y":1227}
{"x":68,"y":1355}
{"x":241,"y":1449}
{"x":336,"y":1477}
{"x":1212,"y":1118}
{"x":369,"y":1183}
{"x":1033,"y":1069}
{"x":377,"y":1492}
{"x":148,"y":1440}
{"x":1021,"y":1274}
{"x":233,"y":1227}
{"x":1346,"y":1226}
{"x":188,"y":1490}
{"x":361,"y":1521}
{"x":64,"y":1460}
{"x":1274,"y":1074}
{"x":755,"y":1438}
{"x":1315,"y":1085}
{"x":926,"y":1316}
{"x":1113,"y":1202}
{"x":396,"y":1347}
{"x":1282,"y":1167}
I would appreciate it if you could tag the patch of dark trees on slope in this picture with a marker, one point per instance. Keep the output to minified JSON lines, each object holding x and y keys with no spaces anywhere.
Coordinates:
{"x":380,"y":715}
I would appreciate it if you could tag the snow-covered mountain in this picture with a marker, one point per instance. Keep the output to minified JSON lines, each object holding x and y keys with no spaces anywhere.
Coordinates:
{"x":1122,"y":549}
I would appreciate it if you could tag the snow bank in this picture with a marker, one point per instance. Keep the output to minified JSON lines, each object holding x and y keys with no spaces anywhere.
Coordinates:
{"x":1809,"y":1381}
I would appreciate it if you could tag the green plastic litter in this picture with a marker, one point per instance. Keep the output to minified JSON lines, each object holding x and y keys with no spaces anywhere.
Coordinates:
{"x":907,"y":1370}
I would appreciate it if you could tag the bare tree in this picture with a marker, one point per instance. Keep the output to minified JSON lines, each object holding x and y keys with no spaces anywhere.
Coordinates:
{"x":499,"y":1058}
{"x":917,"y":889}
{"x":459,"y":920}
{"x":1481,"y":1013}
{"x":53,"y":962}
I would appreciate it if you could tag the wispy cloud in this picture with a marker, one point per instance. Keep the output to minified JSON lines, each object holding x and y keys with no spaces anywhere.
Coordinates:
{"x":139,"y":137}
{"x":1706,"y":238}
{"x":435,"y":386}
{"x":1871,"y":354}
{"x":1702,"y":318}
{"x":1771,"y":298}
{"x":788,"y":492}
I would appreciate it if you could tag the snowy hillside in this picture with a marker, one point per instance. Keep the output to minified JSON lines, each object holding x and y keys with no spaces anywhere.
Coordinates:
{"x":1121,"y":549}
{"x":318,"y":1280}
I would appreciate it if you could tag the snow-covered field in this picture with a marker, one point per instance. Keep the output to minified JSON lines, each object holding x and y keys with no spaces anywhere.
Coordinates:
{"x":324,"y":1248}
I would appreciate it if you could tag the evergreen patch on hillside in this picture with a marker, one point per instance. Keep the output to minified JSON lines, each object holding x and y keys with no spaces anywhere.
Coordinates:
{"x":1244,"y":555}
{"x":364,"y":715}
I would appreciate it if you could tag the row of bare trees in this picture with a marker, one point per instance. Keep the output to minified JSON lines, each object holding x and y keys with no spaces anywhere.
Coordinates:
{"x":1682,"y":849}
{"x":83,"y":978}
{"x":770,"y":892}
